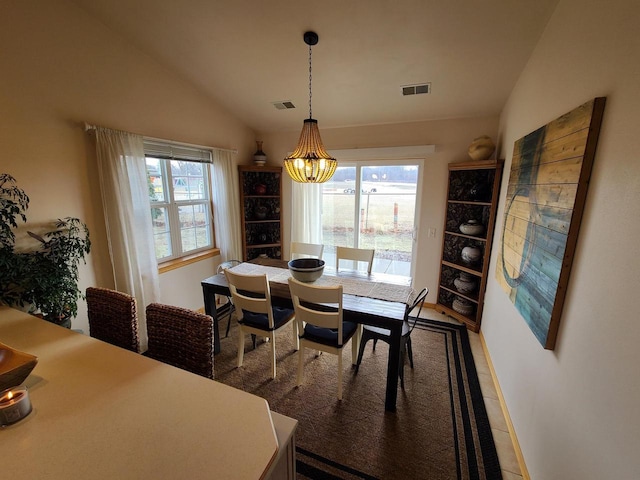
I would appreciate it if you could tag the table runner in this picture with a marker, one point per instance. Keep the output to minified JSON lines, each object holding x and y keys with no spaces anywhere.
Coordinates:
{"x":351,"y":286}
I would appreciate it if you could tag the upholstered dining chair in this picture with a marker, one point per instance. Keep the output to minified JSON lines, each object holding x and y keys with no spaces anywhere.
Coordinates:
{"x":180,"y":337}
{"x":301,"y":249}
{"x":355,"y":254}
{"x":320,"y":323}
{"x":251,"y":296}
{"x":226,"y":308}
{"x":375,"y":334}
{"x":113,"y":317}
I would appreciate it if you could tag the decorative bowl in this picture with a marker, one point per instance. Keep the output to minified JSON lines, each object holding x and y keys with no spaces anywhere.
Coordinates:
{"x":15,"y":366}
{"x":470,"y":254}
{"x":462,"y":306}
{"x":306,"y":269}
{"x":472,"y":227}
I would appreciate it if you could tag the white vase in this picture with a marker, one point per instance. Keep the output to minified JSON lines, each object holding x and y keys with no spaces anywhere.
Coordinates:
{"x":465,"y":283}
{"x":462,"y":306}
{"x":472,"y":227}
{"x":470,"y":254}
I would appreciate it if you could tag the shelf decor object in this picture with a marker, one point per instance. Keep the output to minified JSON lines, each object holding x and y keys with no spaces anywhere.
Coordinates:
{"x":548,"y":183}
{"x":472,"y":200}
{"x":310,"y":162}
{"x":260,"y":204}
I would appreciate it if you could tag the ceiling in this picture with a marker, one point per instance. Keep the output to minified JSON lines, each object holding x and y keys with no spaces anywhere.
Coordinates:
{"x":246,"y":54}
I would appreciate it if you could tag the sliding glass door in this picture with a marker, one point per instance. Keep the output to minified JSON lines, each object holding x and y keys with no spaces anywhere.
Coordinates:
{"x":372,"y":205}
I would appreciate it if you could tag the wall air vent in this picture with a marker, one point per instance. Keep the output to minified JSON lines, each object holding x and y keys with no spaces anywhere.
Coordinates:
{"x":283,"y":105}
{"x":416,"y":89}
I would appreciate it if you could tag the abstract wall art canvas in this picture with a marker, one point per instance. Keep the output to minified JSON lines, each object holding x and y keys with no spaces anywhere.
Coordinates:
{"x":547,"y":189}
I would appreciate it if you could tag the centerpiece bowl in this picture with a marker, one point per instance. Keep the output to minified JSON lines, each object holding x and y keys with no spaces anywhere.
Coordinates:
{"x":306,"y":269}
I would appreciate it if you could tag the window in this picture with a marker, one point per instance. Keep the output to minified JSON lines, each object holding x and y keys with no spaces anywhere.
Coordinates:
{"x":180,"y":199}
{"x":373,"y":205}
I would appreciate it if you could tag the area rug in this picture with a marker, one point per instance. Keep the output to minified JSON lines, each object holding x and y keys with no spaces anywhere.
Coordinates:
{"x":439,"y":431}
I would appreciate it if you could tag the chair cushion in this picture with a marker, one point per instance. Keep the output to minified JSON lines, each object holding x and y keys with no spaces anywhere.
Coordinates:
{"x":260,"y":320}
{"x":329,"y":336}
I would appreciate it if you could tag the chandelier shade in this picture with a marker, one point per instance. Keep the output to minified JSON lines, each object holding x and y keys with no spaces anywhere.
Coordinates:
{"x":310,"y":162}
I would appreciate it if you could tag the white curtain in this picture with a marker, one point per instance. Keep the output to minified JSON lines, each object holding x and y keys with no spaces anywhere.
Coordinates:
{"x":226,"y":206}
{"x":306,"y":212}
{"x":125,"y":199}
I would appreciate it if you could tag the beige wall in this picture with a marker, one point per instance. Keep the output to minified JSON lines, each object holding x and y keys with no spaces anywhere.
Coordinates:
{"x":60,"y":68}
{"x":575,"y":409}
{"x":451,"y":138}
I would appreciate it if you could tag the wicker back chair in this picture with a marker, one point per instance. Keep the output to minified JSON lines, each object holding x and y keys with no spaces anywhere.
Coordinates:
{"x":180,"y":337}
{"x":113,"y":318}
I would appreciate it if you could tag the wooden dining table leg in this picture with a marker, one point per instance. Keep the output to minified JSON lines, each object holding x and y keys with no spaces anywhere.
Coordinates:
{"x":393,"y":366}
{"x":210,"y":309}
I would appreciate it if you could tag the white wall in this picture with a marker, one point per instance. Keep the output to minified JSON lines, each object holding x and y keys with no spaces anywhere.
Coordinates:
{"x":576,"y":410}
{"x":59,"y":68}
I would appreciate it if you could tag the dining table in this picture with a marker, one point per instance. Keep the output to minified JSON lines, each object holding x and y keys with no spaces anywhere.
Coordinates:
{"x":375,"y":299}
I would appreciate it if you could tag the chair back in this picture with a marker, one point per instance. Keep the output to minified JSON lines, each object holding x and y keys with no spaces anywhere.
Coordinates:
{"x":356,"y":254}
{"x":251,"y":293}
{"x":318,"y":306}
{"x":419,"y":301}
{"x":180,"y":337}
{"x":113,"y":318}
{"x":300,"y":249}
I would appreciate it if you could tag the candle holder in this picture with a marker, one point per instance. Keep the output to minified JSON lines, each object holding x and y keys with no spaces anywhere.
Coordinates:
{"x":14,"y":405}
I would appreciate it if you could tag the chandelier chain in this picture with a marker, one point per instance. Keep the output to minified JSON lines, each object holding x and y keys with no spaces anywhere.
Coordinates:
{"x":310,"y":115}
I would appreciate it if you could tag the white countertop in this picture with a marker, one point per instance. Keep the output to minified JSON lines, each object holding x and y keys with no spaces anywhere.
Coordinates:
{"x":100,"y":411}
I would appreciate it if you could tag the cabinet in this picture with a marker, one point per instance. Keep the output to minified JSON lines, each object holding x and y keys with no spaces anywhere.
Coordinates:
{"x":260,"y":205}
{"x":472,"y":199}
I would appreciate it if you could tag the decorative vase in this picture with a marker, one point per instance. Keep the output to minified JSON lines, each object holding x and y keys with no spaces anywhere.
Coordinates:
{"x":481,"y":148}
{"x":259,"y":158}
{"x":472,"y":227}
{"x":462,"y":306}
{"x":470,"y":254}
{"x":465,"y":283}
{"x":260,"y":189}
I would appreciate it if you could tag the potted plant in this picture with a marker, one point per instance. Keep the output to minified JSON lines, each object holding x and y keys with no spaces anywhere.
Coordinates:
{"x":45,"y":278}
{"x":13,"y":205}
{"x":52,"y":284}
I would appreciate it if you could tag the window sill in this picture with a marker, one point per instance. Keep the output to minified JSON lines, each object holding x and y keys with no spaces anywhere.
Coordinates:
{"x":188,"y":260}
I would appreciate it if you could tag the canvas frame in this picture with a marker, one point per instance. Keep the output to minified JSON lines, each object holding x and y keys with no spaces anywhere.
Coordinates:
{"x":546,"y":194}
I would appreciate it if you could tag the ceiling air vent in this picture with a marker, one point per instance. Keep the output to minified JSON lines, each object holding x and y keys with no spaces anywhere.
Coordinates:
{"x":416,"y":89}
{"x":284,"y":105}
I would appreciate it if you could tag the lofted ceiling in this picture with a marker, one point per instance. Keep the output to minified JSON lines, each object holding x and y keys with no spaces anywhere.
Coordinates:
{"x":247,"y":54}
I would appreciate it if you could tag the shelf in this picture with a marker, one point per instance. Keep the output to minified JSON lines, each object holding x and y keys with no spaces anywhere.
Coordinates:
{"x":481,"y":239}
{"x":266,"y":227}
{"x":472,"y":194}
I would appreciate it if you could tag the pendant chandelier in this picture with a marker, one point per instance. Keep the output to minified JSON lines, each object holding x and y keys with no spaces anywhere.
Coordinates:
{"x":310,"y":162}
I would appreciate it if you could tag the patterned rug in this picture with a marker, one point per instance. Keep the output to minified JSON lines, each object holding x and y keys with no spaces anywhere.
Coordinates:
{"x":439,"y":431}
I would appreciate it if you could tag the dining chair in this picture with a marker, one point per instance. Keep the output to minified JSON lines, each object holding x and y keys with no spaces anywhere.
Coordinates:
{"x":251,"y":295}
{"x":180,"y":337}
{"x":376,"y":333}
{"x":226,"y":309}
{"x":355,"y":254}
{"x":300,"y":249}
{"x":113,"y":317}
{"x":320,"y":323}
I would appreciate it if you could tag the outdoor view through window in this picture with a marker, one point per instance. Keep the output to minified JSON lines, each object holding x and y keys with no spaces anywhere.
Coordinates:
{"x":372,"y":206}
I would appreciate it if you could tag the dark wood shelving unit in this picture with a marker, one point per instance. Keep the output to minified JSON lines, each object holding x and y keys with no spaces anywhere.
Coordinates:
{"x":472,"y":193}
{"x":261,"y":214}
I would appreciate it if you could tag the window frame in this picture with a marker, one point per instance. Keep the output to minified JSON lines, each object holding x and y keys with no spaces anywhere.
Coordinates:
{"x":164,"y":153}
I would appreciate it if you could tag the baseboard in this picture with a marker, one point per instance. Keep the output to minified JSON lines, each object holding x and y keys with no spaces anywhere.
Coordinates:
{"x":503,"y":405}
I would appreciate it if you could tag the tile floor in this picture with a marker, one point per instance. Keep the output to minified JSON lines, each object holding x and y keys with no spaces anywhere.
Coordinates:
{"x":504,"y":446}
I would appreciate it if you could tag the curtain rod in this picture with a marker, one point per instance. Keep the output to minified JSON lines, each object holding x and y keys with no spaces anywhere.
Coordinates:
{"x":88,"y":126}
